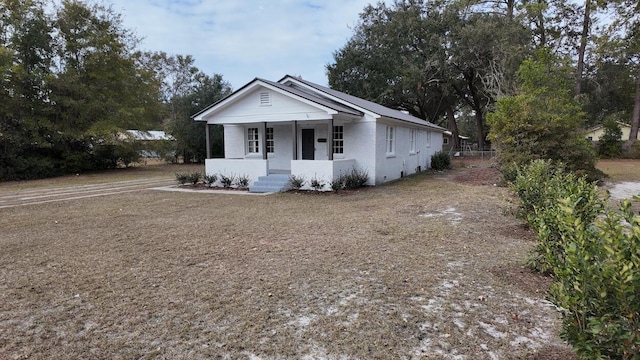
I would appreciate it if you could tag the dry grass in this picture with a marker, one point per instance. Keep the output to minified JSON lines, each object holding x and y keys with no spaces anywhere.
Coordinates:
{"x":620,"y":169}
{"x":426,"y":267}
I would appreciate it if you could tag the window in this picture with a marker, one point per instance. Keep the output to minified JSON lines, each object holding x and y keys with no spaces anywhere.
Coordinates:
{"x":390,"y":143}
{"x":338,"y":140}
{"x":412,"y":141}
{"x":270,"y":142}
{"x":445,"y":141}
{"x":265,"y":98}
{"x":428,"y":138}
{"x":253,"y":145}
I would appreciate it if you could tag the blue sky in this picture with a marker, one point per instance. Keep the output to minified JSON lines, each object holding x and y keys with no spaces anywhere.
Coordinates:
{"x":244,"y":39}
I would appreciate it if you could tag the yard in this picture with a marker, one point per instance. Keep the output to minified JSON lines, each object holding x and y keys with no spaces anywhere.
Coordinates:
{"x":426,"y":267}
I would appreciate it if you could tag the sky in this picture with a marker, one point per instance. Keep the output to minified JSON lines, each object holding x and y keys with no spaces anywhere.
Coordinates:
{"x":245,"y":39}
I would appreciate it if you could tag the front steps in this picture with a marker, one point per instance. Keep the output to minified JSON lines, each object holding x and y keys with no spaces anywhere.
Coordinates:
{"x":270,"y":183}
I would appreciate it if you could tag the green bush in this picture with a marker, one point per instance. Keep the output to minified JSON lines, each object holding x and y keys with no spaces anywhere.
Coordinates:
{"x":194,"y":177}
{"x":182,"y":178}
{"x":210,"y":179}
{"x":227,"y":180}
{"x":594,"y":254}
{"x":296,"y":181}
{"x":540,"y":186}
{"x":597,"y":286}
{"x":242,"y":182}
{"x":610,"y":144}
{"x":316,"y":184}
{"x":440,"y":161}
{"x":337,"y":184}
{"x":354,"y":179}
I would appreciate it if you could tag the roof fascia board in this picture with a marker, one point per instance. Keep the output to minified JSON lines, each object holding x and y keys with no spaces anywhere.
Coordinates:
{"x":336,"y":99}
{"x":202,"y":115}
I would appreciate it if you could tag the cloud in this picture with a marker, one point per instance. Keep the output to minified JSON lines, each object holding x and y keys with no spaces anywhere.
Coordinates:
{"x":246,"y":39}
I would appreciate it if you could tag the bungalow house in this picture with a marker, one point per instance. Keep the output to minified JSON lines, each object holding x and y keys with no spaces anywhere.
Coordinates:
{"x":295,"y":127}
{"x":595,"y":133}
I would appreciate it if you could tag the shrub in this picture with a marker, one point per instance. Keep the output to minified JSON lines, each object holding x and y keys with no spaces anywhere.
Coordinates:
{"x":296,"y":182}
{"x":355,"y":179}
{"x":194,"y":177}
{"x":242,"y":182}
{"x":540,"y":186}
{"x":337,"y":184}
{"x":227,"y":181}
{"x":210,"y":179}
{"x":593,"y":253}
{"x":597,"y":286}
{"x":182,"y":178}
{"x":610,"y":144}
{"x":316,"y":184}
{"x":440,"y":161}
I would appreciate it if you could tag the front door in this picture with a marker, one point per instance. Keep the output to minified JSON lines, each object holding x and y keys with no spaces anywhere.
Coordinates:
{"x":308,"y":144}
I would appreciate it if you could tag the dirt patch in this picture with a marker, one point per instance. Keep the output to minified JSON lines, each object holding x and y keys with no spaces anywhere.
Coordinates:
{"x":420,"y":268}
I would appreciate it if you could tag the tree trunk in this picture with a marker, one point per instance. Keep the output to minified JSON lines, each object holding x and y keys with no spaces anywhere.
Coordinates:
{"x":583,"y":46}
{"x":635,"y":118}
{"x":453,"y":127}
{"x":480,"y":128}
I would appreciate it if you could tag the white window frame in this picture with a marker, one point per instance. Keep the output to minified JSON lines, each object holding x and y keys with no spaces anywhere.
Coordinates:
{"x":412,"y":141}
{"x":390,"y":140}
{"x":338,"y":140}
{"x":253,"y":141}
{"x":271,"y":144}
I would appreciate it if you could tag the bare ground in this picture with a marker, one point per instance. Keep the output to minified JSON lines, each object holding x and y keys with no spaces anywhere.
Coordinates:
{"x":426,"y":267}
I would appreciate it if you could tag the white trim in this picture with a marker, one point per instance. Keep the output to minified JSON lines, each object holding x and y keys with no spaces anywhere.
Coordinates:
{"x":412,"y":141}
{"x":390,"y":139}
{"x":229,"y":100}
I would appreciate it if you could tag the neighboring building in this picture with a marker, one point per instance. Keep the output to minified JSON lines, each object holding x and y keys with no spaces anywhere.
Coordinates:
{"x":295,"y":127}
{"x":595,"y":133}
{"x":447,"y":142}
{"x":152,"y":143}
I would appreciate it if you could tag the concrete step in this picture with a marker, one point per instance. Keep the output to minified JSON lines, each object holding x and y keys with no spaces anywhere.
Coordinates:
{"x":270,"y":183}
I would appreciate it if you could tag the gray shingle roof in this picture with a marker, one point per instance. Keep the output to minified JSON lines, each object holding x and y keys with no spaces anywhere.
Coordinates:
{"x":367,"y":105}
{"x":314,"y":97}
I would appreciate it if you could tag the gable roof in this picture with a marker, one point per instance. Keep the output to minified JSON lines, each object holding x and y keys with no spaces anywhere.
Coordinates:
{"x":322,"y":97}
{"x":323,"y":103}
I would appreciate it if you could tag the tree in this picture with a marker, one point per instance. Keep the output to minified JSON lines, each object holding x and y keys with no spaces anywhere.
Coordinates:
{"x":185,"y":91}
{"x":543,"y":119}
{"x":447,"y":57}
{"x":622,"y":45}
{"x":610,"y":144}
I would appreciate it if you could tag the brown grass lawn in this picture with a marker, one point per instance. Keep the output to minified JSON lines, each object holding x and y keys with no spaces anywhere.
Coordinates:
{"x":425,"y":267}
{"x":620,"y":169}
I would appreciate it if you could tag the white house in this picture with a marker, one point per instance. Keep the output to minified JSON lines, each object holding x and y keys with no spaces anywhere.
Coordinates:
{"x":595,"y":133}
{"x":295,"y":127}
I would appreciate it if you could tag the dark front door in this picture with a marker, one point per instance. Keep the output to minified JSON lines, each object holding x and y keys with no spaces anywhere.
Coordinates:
{"x":308,"y":144}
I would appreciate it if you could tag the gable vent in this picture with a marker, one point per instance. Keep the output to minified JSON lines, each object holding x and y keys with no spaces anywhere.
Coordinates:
{"x":265,"y":98}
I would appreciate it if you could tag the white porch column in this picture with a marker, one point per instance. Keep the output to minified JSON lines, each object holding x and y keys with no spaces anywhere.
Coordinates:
{"x":264,"y":141}
{"x":295,"y":140}
{"x":330,"y":141}
{"x":208,"y":133}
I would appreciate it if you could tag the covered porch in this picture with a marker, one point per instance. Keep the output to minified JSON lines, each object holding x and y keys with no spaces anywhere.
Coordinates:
{"x":309,"y":149}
